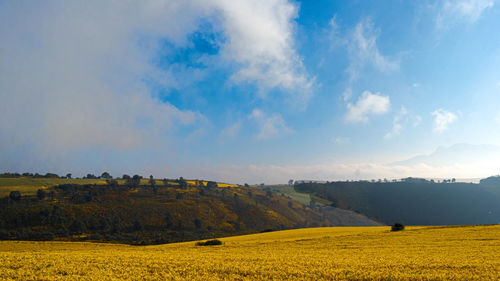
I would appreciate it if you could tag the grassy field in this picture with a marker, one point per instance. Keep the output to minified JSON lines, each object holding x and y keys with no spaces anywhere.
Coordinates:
{"x":341,"y":253}
{"x":29,"y":185}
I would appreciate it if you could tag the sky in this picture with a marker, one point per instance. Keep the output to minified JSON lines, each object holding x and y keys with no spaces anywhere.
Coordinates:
{"x":251,"y":90}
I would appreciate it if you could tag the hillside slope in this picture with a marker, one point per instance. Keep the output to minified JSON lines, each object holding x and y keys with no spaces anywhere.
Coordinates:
{"x":162,"y":212}
{"x":415,"y":202}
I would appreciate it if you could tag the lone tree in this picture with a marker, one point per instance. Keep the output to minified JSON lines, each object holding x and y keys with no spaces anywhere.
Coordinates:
{"x":397,"y":226}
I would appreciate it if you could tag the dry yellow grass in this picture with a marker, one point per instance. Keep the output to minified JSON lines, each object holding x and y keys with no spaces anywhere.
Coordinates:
{"x":355,"y":253}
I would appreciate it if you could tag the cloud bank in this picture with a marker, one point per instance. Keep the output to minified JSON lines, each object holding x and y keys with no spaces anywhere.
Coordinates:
{"x":77,"y":75}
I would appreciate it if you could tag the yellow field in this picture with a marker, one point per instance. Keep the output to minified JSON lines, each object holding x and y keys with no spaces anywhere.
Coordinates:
{"x":355,"y":253}
{"x":30,"y":185}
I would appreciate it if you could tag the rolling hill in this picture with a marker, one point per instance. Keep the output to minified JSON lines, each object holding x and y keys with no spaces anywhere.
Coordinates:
{"x":327,"y":253}
{"x":153,"y":211}
{"x":413,"y":201}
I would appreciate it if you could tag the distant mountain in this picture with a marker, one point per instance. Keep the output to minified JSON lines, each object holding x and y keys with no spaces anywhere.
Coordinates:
{"x":461,"y":153}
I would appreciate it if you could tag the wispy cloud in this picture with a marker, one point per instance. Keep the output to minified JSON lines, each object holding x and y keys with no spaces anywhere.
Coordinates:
{"x":340,"y":140}
{"x":367,"y":104}
{"x":443,"y":119}
{"x":231,"y":131}
{"x":363,"y":50}
{"x":455,"y":11}
{"x":400,"y":121}
{"x":397,"y":124}
{"x":272,"y":126}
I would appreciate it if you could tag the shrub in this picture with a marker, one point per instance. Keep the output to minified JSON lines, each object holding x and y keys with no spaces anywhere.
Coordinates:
{"x":213,"y":242}
{"x":15,"y":195}
{"x":397,"y":226}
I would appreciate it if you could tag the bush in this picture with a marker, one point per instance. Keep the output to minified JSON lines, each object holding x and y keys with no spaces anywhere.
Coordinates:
{"x":15,"y":195}
{"x":397,"y":226}
{"x":213,"y":242}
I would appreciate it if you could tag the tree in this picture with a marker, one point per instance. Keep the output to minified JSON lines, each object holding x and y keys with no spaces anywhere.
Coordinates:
{"x":41,"y":194}
{"x":77,"y":227}
{"x":152,"y":181}
{"x":182,"y":183}
{"x":197,"y":223}
{"x":106,"y":175}
{"x":51,"y":175}
{"x":138,"y":226}
{"x":68,"y":175}
{"x":125,"y":177}
{"x":112,"y":183}
{"x":397,"y":226}
{"x":169,"y":220}
{"x":15,"y":195}
{"x":135,"y":181}
{"x":211,"y":184}
{"x":290,"y":182}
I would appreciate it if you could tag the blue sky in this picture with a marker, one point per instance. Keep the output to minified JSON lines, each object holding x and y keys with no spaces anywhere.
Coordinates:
{"x":250,"y":91}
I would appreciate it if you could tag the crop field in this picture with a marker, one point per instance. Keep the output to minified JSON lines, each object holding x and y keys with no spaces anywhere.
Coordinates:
{"x":29,"y":185}
{"x":339,"y":253}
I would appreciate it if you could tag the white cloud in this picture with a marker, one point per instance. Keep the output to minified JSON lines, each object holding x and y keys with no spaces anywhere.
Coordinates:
{"x":443,"y":119}
{"x":461,"y":10}
{"x":367,"y":104}
{"x":363,"y":50}
{"x":275,"y":174}
{"x":260,"y":39}
{"x":397,"y":124}
{"x":333,"y":29}
{"x":269,"y":126}
{"x":347,"y":94}
{"x":73,"y":74}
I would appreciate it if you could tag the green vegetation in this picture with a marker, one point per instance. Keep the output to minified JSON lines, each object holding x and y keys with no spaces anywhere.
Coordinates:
{"x":414,"y":201}
{"x":213,"y":242}
{"x":397,"y":226}
{"x":148,"y":211}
